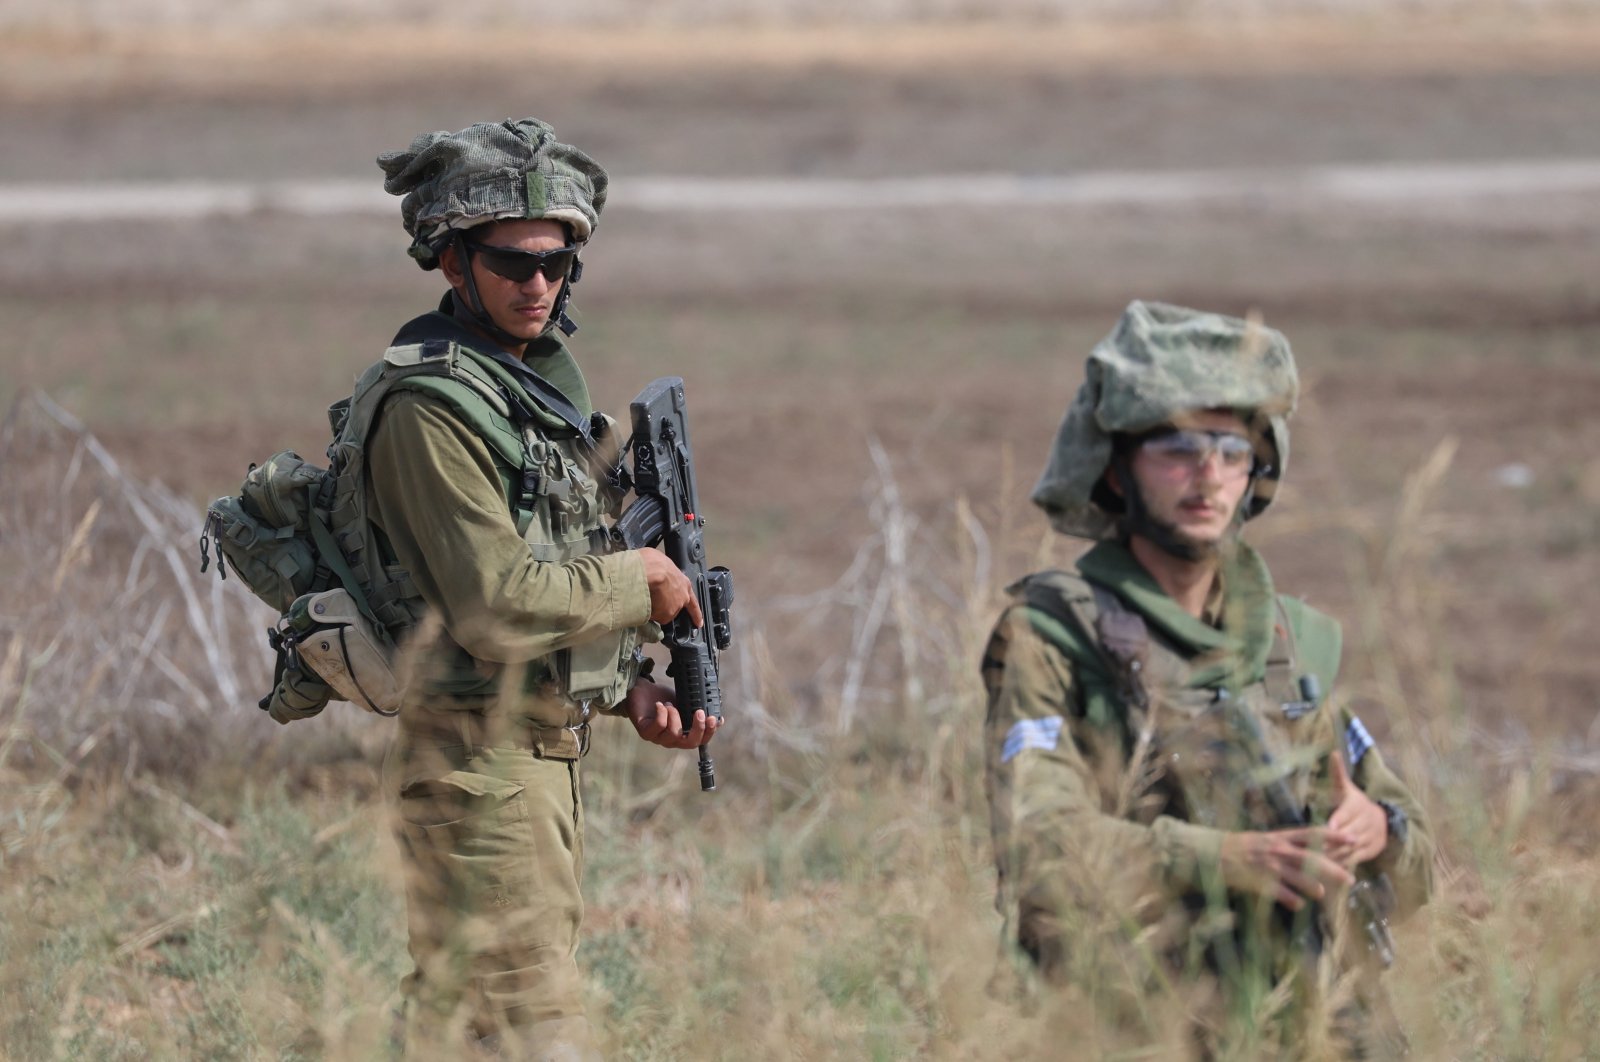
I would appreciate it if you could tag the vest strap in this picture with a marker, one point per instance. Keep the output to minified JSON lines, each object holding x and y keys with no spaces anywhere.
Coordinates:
{"x":334,"y":558}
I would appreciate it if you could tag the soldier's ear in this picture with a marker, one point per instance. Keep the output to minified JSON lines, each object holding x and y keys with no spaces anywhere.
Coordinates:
{"x":450,"y":263}
{"x":1113,"y":481}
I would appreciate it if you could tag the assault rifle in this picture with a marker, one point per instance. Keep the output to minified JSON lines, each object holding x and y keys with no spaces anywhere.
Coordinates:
{"x":1367,"y":900}
{"x":667,"y":512}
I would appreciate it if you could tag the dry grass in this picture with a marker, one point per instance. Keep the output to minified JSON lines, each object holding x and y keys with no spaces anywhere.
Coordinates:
{"x":831,"y":901}
{"x":119,"y":651}
{"x":181,"y":878}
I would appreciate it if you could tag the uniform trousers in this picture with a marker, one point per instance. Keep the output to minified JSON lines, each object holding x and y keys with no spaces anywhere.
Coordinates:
{"x":489,"y":821}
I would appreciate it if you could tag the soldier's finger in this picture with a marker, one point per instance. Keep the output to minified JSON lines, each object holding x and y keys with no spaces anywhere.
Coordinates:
{"x":1294,"y":843}
{"x":647,"y":727}
{"x":1302,"y":836}
{"x":1339,"y":850}
{"x":1325,"y":870}
{"x":1338,"y":774}
{"x":661,"y":723}
{"x":1352,"y":812}
{"x":1316,"y":838}
{"x":671,"y":724}
{"x":697,"y":730}
{"x":1288,"y":897}
{"x":695,"y":615}
{"x":1344,"y":837}
{"x":1302,"y":884}
{"x":667,"y":715}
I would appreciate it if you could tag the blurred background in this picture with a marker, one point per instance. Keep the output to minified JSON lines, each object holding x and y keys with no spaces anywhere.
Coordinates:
{"x":878,"y":240}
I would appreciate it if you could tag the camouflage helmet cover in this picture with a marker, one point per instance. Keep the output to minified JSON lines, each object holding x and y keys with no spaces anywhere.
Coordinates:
{"x":1160,"y":362}
{"x":488,"y":172}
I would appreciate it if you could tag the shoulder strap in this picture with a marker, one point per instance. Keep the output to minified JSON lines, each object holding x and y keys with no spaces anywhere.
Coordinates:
{"x":1316,"y":639}
{"x":333,"y":557}
{"x":469,"y":398}
{"x":1125,"y":639}
{"x":1061,"y":608}
{"x":1087,"y":616}
{"x":1121,"y":638}
{"x":1282,"y":660}
{"x":1092,"y":627}
{"x":344,"y":537}
{"x":551,"y":405}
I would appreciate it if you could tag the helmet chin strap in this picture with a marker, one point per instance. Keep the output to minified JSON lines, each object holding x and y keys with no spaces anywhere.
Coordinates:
{"x":559,"y":311}
{"x":472,"y":307}
{"x":473,"y":310}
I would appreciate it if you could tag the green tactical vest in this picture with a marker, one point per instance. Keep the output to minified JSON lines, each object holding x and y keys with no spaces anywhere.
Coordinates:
{"x":1206,"y":763}
{"x":553,"y":488}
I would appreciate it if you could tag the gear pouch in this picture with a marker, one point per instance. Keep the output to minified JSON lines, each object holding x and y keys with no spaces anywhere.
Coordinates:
{"x":336,"y":641}
{"x":600,"y":671}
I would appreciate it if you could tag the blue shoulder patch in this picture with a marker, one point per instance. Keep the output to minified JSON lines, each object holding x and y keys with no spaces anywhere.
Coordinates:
{"x":1356,"y":742}
{"x":1031,"y":734}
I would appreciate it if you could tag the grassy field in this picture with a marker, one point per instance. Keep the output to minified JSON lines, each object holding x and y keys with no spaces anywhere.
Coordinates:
{"x":873,"y":396}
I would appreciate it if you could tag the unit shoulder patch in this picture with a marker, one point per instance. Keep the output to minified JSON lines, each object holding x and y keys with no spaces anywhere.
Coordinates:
{"x":1043,"y":734}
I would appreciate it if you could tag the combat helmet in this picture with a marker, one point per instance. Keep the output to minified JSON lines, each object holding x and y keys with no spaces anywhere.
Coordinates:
{"x":1158,"y":363}
{"x":488,"y":172}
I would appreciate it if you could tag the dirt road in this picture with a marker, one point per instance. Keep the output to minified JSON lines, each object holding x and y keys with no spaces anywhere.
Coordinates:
{"x":1481,"y":191}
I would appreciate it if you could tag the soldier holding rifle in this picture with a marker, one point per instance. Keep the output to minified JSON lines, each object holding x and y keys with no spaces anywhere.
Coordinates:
{"x":489,"y":477}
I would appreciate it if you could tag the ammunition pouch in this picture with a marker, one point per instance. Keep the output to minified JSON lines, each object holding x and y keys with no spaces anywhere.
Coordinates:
{"x":345,"y":650}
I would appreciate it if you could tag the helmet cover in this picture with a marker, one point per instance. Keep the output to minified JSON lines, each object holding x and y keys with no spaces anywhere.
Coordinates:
{"x":489,"y":172}
{"x":1159,"y":363}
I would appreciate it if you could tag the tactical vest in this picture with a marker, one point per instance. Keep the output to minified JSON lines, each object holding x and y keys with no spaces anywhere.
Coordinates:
{"x":555,"y":487}
{"x":1207,"y":752}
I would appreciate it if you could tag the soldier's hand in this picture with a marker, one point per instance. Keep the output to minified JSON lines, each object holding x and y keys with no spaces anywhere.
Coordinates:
{"x":1356,"y":815}
{"x":670,"y":590}
{"x":656,"y":718}
{"x":1289,"y":866}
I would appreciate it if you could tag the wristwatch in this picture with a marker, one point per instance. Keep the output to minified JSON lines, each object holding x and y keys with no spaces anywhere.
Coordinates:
{"x":1398,"y":823}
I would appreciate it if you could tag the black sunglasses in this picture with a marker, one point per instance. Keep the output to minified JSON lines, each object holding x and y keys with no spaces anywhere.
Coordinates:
{"x":520,"y":266}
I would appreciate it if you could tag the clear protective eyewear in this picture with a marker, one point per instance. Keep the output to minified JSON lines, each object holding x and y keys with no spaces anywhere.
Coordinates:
{"x":1189,"y":448}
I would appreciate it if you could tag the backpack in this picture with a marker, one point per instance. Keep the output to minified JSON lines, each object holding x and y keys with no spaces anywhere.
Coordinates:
{"x":299,"y":537}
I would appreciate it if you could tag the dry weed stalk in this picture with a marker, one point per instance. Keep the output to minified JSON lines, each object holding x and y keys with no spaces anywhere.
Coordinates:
{"x":906,"y":903}
{"x":931,"y":593}
{"x":110,"y":623}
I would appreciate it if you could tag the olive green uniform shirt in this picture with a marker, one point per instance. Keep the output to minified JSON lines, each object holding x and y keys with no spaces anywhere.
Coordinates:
{"x":1084,"y":856}
{"x":438,"y":499}
{"x":489,"y":815}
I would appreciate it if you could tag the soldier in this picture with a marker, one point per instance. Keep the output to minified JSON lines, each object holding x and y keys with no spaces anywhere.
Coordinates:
{"x":1168,"y":781}
{"x":487,"y":478}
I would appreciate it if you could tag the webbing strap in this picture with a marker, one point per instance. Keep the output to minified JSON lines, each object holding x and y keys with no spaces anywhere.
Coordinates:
{"x":1281,"y":659}
{"x":334,"y":558}
{"x":545,"y":393}
{"x":1071,"y":609}
{"x":399,"y":588}
{"x":1123,"y":639}
{"x":549,"y":397}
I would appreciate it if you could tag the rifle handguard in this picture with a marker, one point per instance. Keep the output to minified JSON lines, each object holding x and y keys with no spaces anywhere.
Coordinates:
{"x":668,"y":513}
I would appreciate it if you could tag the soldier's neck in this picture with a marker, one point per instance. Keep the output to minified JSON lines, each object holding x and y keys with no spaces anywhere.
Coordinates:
{"x":516,"y":351}
{"x":1188,"y":582}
